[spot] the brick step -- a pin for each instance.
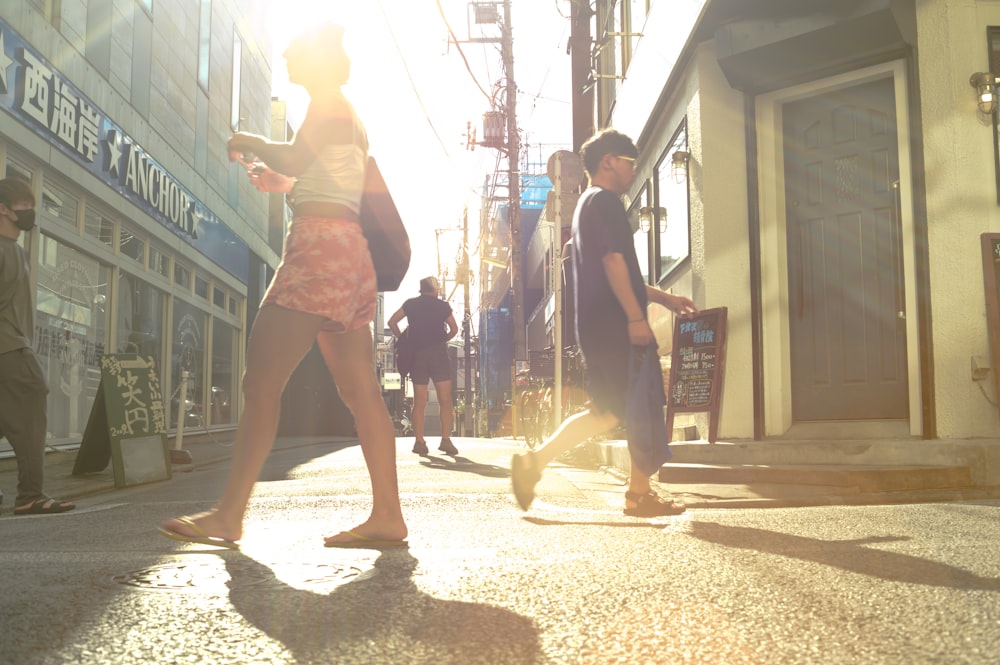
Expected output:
(863, 478)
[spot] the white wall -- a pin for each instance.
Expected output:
(961, 205)
(720, 245)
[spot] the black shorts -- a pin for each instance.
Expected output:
(431, 364)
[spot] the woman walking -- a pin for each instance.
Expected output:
(323, 291)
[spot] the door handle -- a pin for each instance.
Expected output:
(897, 250)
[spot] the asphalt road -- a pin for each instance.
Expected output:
(571, 581)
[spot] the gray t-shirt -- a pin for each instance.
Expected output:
(17, 314)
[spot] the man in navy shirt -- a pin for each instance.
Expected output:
(430, 324)
(611, 299)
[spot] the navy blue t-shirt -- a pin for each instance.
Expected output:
(600, 227)
(425, 318)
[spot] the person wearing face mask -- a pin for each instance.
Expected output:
(23, 390)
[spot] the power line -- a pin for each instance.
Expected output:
(460, 51)
(413, 84)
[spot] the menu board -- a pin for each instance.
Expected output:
(127, 423)
(697, 367)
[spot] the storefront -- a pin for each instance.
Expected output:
(125, 258)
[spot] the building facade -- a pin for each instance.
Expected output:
(821, 169)
(148, 239)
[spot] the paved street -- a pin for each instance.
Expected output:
(572, 581)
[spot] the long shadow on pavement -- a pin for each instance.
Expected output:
(378, 617)
(465, 465)
(545, 522)
(851, 555)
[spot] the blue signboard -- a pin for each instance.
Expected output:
(39, 96)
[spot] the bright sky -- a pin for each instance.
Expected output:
(415, 96)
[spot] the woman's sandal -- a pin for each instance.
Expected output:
(651, 505)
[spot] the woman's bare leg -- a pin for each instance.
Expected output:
(279, 340)
(349, 358)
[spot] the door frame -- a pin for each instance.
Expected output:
(776, 360)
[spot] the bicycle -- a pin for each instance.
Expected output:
(537, 400)
(530, 407)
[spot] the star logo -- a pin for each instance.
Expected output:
(5, 63)
(113, 154)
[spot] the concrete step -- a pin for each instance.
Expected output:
(857, 477)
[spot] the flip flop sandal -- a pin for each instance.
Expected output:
(201, 538)
(363, 542)
(44, 506)
(651, 505)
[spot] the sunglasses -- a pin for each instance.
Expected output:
(630, 160)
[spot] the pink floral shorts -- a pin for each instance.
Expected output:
(326, 269)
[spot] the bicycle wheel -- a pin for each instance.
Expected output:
(529, 418)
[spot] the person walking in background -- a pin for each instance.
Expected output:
(23, 391)
(324, 290)
(611, 328)
(430, 324)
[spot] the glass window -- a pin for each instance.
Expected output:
(58, 205)
(671, 213)
(219, 298)
(188, 356)
(223, 386)
(200, 287)
(140, 318)
(234, 305)
(638, 218)
(71, 332)
(132, 245)
(204, 42)
(182, 276)
(159, 262)
(98, 226)
(234, 119)
(15, 169)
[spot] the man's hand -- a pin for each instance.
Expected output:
(679, 304)
(639, 333)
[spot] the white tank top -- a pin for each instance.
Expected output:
(337, 175)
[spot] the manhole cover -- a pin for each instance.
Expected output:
(219, 576)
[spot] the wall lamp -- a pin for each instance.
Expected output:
(986, 91)
(679, 165)
(646, 214)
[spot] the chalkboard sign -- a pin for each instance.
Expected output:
(127, 423)
(991, 282)
(697, 364)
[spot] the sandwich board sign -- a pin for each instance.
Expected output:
(697, 367)
(127, 423)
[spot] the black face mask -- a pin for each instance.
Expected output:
(25, 219)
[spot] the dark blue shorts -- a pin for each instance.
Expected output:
(431, 364)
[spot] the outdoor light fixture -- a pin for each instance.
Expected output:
(646, 219)
(679, 165)
(986, 92)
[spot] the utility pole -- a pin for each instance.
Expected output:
(513, 187)
(582, 98)
(467, 328)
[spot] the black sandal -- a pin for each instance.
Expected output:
(44, 506)
(651, 505)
